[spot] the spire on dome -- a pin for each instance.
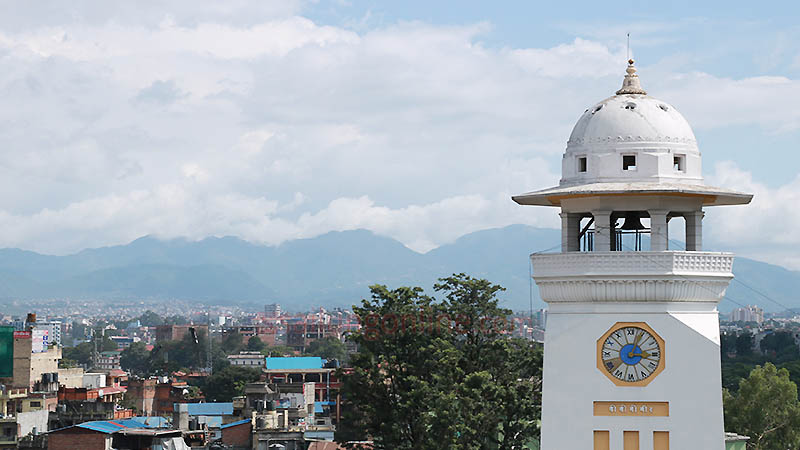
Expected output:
(631, 85)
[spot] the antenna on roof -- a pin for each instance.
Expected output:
(628, 52)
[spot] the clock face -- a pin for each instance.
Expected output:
(631, 354)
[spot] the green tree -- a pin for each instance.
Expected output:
(426, 371)
(136, 359)
(254, 344)
(150, 319)
(229, 382)
(278, 350)
(81, 353)
(327, 348)
(766, 409)
(231, 343)
(744, 344)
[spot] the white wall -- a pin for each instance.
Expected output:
(690, 382)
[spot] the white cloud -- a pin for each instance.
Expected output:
(257, 122)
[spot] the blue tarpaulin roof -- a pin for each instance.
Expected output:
(110, 426)
(233, 424)
(210, 409)
(294, 363)
(317, 407)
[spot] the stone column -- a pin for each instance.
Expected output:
(570, 229)
(694, 231)
(658, 230)
(602, 231)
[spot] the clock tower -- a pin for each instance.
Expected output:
(632, 347)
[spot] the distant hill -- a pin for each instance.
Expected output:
(334, 269)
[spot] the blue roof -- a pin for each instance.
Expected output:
(233, 424)
(210, 409)
(317, 407)
(110, 426)
(294, 363)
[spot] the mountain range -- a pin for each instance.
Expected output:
(335, 269)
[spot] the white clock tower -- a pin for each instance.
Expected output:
(631, 353)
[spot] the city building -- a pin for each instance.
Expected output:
(617, 311)
(29, 365)
(177, 332)
(300, 334)
(268, 334)
(247, 359)
(108, 361)
(272, 310)
(749, 313)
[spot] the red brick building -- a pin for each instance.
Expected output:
(300, 335)
(177, 332)
(238, 434)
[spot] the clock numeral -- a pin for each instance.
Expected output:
(631, 377)
(652, 364)
(644, 375)
(654, 353)
(618, 374)
(606, 354)
(631, 331)
(610, 365)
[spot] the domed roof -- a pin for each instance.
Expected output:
(631, 124)
(632, 143)
(631, 117)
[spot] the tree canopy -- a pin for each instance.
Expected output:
(766, 409)
(327, 348)
(426, 371)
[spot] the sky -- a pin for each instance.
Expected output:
(417, 120)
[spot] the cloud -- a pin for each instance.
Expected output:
(235, 119)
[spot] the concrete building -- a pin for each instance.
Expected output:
(29, 365)
(632, 346)
(272, 310)
(247, 359)
(749, 313)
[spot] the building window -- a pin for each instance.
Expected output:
(679, 163)
(582, 164)
(36, 404)
(628, 162)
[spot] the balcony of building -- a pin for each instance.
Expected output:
(661, 276)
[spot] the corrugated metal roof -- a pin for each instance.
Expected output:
(210, 409)
(233, 424)
(294, 363)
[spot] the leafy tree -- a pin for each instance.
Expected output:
(254, 344)
(81, 353)
(231, 343)
(426, 371)
(327, 348)
(744, 344)
(278, 350)
(766, 409)
(229, 382)
(780, 344)
(150, 319)
(136, 359)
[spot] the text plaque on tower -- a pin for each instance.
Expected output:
(631, 409)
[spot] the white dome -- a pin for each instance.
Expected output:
(631, 127)
(631, 117)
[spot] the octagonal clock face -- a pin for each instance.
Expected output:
(631, 354)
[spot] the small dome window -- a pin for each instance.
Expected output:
(630, 106)
(663, 107)
(582, 164)
(597, 108)
(628, 162)
(679, 163)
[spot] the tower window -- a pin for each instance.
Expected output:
(679, 163)
(628, 162)
(582, 164)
